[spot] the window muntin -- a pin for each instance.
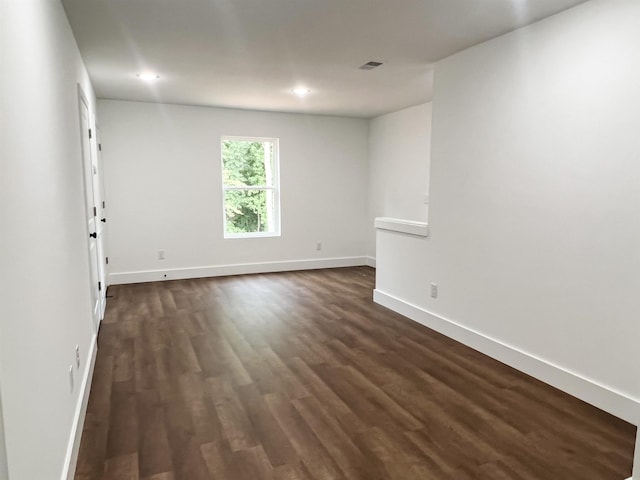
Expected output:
(250, 184)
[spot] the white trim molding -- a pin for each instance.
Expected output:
(420, 229)
(233, 269)
(4, 468)
(603, 397)
(636, 459)
(370, 261)
(71, 458)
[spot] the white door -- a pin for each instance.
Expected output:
(89, 169)
(98, 188)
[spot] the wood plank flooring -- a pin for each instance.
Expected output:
(300, 376)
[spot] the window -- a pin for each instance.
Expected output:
(250, 187)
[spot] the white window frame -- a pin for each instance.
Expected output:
(275, 187)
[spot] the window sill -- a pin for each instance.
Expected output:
(251, 235)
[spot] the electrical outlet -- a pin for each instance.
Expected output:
(319, 246)
(71, 378)
(78, 356)
(161, 254)
(434, 290)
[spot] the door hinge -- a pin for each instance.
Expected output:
(103, 204)
(90, 135)
(99, 147)
(95, 212)
(99, 286)
(106, 260)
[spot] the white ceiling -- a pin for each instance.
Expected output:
(251, 53)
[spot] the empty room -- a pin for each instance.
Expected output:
(312, 240)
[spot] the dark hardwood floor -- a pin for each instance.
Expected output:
(300, 376)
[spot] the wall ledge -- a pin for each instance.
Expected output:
(411, 227)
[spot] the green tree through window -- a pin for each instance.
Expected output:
(250, 184)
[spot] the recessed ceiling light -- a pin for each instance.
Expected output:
(148, 76)
(370, 65)
(301, 91)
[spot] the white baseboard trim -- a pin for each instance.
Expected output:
(234, 269)
(587, 390)
(4, 468)
(371, 261)
(71, 458)
(635, 474)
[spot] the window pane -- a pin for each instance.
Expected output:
(249, 211)
(247, 163)
(250, 184)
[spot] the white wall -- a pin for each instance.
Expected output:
(163, 181)
(399, 151)
(44, 281)
(535, 202)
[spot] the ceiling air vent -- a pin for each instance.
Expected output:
(370, 65)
